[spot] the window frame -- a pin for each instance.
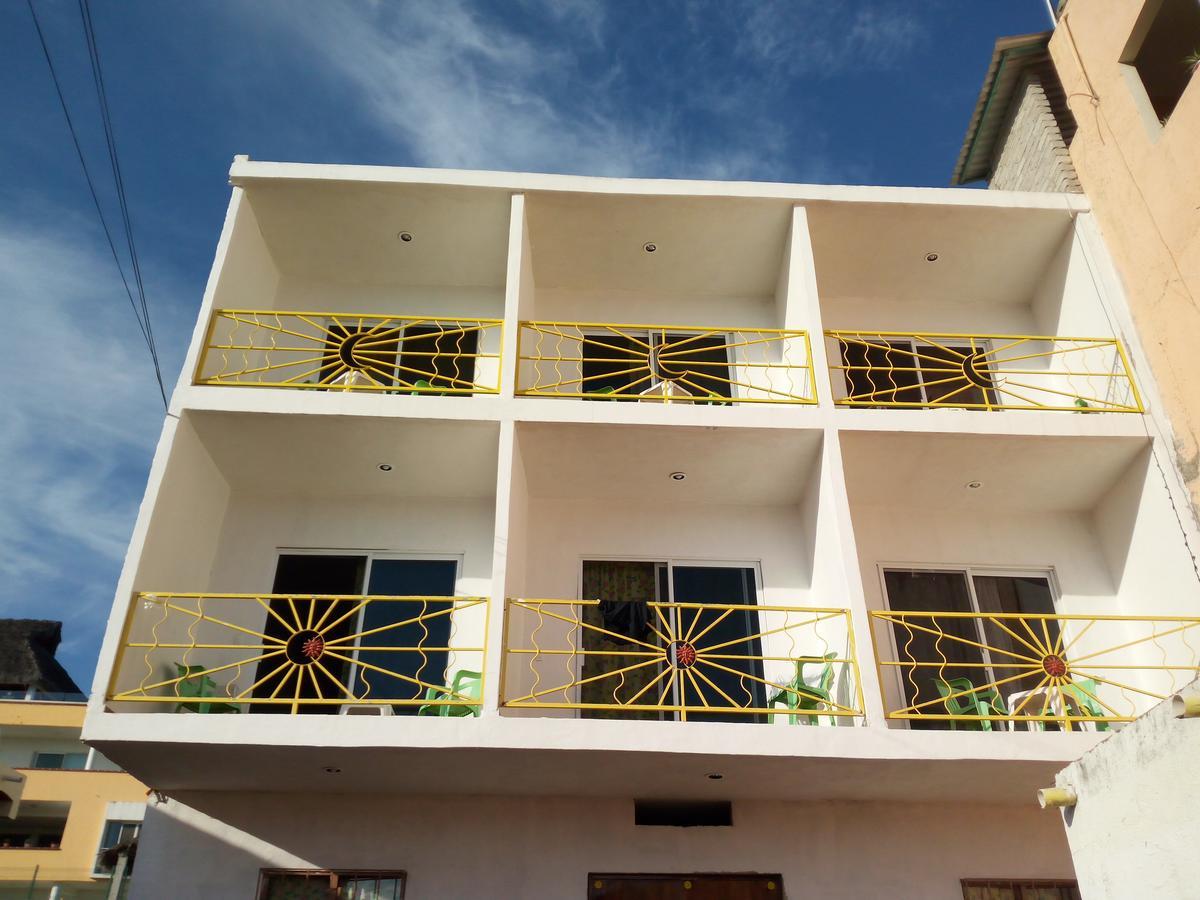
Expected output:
(913, 346)
(62, 767)
(968, 572)
(333, 876)
(654, 339)
(101, 848)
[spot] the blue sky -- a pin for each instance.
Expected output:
(870, 92)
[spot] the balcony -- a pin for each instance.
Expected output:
(683, 661)
(352, 352)
(1001, 670)
(310, 653)
(909, 370)
(665, 363)
(365, 288)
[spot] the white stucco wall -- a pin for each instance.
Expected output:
(543, 848)
(1134, 830)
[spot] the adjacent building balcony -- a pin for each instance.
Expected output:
(665, 363)
(352, 352)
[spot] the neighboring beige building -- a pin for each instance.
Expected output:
(62, 806)
(1120, 95)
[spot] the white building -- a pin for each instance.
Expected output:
(839, 558)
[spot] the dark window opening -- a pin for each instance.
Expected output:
(655, 363)
(1167, 54)
(913, 374)
(971, 648)
(441, 356)
(40, 826)
(683, 813)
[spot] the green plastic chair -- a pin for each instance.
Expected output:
(803, 696)
(465, 684)
(196, 685)
(604, 391)
(1078, 691)
(979, 702)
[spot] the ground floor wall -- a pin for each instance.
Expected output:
(202, 846)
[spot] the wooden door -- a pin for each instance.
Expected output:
(685, 887)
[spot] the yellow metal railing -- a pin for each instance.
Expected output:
(352, 352)
(975, 669)
(664, 363)
(228, 653)
(980, 371)
(693, 661)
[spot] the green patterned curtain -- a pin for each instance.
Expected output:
(622, 582)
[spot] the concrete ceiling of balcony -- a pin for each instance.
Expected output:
(725, 247)
(1033, 473)
(634, 463)
(874, 251)
(349, 232)
(339, 456)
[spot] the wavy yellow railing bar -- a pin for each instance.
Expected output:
(714, 366)
(560, 655)
(333, 351)
(929, 370)
(232, 653)
(971, 670)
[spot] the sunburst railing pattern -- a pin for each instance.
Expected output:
(980, 371)
(352, 352)
(664, 363)
(974, 669)
(766, 663)
(301, 653)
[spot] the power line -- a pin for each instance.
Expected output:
(140, 311)
(85, 14)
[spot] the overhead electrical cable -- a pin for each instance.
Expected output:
(140, 307)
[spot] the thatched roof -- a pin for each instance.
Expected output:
(27, 660)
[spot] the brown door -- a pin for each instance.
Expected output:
(685, 887)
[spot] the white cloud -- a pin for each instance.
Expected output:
(459, 89)
(797, 37)
(81, 413)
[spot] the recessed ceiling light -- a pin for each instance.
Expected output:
(405, 236)
(931, 256)
(649, 246)
(332, 770)
(714, 776)
(974, 485)
(678, 476)
(384, 467)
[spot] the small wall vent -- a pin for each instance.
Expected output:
(683, 813)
